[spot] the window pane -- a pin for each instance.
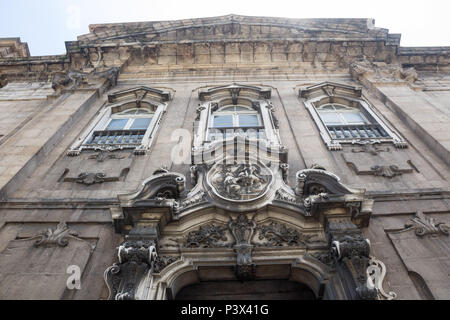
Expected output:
(248, 120)
(339, 107)
(327, 107)
(141, 123)
(223, 121)
(353, 117)
(330, 118)
(117, 124)
(240, 108)
(228, 109)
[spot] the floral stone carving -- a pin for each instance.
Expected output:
(209, 236)
(277, 235)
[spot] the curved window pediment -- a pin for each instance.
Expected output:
(235, 115)
(343, 116)
(126, 124)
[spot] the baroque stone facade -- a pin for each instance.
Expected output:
(163, 156)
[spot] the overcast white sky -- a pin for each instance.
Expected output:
(46, 24)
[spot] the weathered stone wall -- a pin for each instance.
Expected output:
(38, 125)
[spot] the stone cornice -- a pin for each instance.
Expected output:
(231, 40)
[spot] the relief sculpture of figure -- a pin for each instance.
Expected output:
(236, 181)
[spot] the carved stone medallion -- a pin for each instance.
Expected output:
(240, 182)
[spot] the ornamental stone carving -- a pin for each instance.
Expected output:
(84, 79)
(104, 155)
(136, 259)
(382, 72)
(239, 182)
(162, 262)
(59, 236)
(389, 171)
(208, 236)
(376, 272)
(89, 178)
(242, 230)
(351, 252)
(278, 235)
(350, 246)
(423, 225)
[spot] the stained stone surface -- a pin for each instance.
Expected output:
(46, 103)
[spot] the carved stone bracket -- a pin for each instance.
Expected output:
(382, 72)
(136, 259)
(352, 252)
(77, 79)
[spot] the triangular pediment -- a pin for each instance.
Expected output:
(231, 27)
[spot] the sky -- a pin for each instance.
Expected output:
(47, 24)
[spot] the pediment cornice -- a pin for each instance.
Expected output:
(232, 26)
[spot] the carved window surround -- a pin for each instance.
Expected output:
(254, 98)
(141, 97)
(335, 93)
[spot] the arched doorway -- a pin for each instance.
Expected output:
(247, 290)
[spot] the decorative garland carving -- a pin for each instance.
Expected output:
(191, 201)
(369, 147)
(89, 178)
(324, 257)
(209, 236)
(162, 262)
(283, 195)
(105, 155)
(277, 235)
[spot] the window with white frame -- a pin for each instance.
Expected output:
(346, 122)
(235, 119)
(130, 121)
(127, 127)
(343, 116)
